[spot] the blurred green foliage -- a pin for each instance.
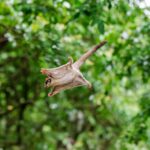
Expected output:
(114, 115)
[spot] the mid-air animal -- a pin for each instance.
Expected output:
(68, 76)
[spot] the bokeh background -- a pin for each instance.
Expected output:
(115, 114)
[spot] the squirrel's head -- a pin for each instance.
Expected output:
(48, 82)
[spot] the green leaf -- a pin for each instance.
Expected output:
(101, 26)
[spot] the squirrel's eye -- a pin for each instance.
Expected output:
(47, 81)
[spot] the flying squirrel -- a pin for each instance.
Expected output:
(68, 75)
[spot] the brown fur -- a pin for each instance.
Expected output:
(68, 76)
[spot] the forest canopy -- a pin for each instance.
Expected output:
(114, 114)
